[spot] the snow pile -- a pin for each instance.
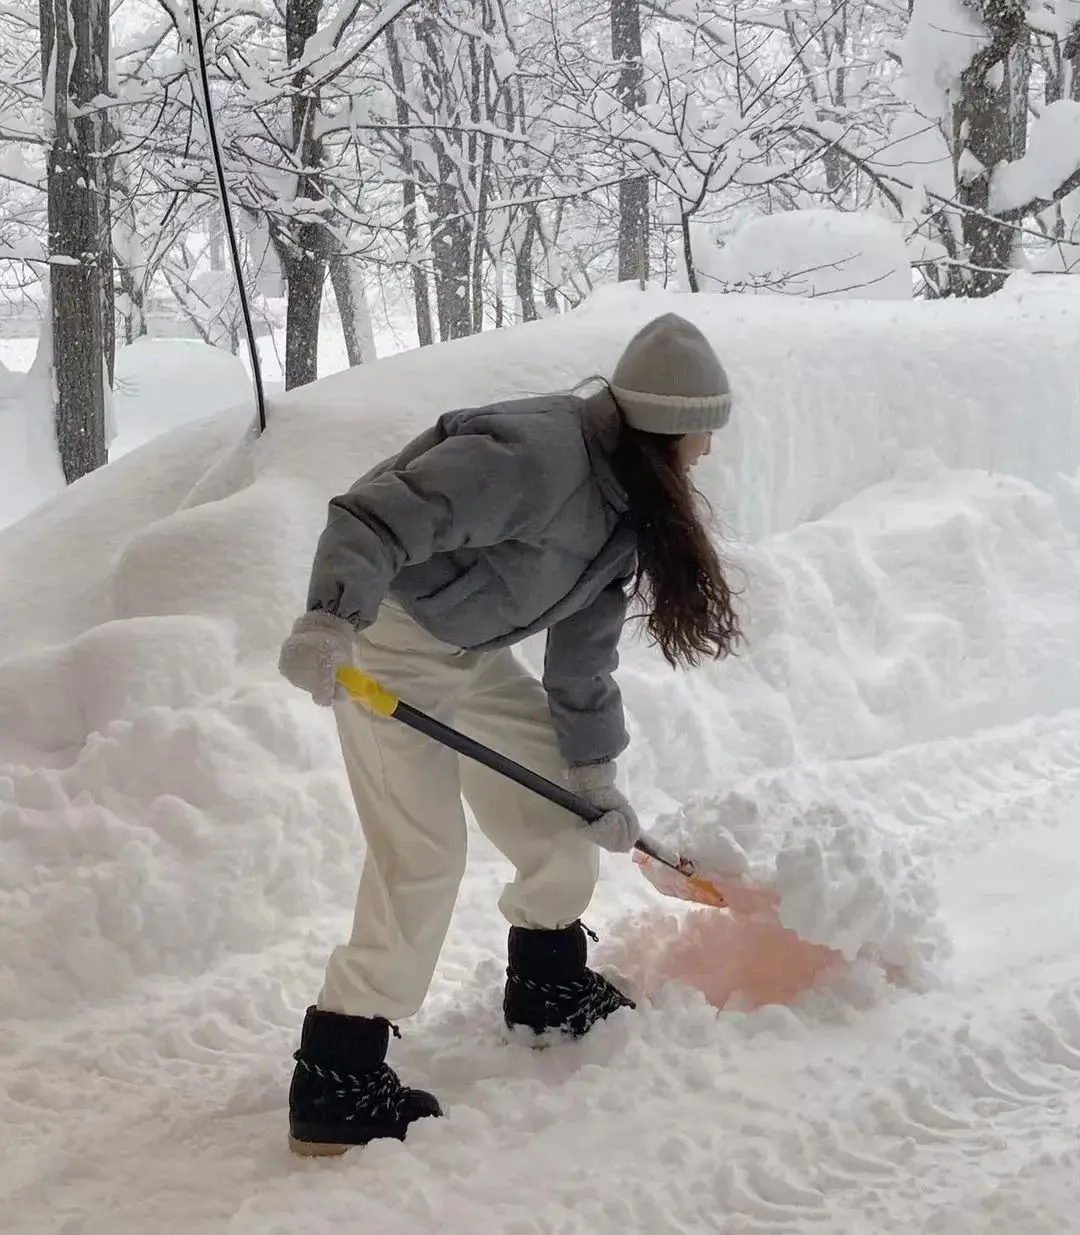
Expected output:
(845, 874)
(161, 384)
(821, 253)
(1027, 284)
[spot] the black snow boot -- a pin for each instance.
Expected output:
(549, 986)
(343, 1092)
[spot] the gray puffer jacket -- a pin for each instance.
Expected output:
(494, 524)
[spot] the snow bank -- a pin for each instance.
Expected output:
(161, 384)
(821, 253)
(831, 396)
(167, 800)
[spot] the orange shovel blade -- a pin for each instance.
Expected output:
(720, 893)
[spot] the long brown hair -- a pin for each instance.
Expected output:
(680, 579)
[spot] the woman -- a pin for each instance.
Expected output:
(543, 514)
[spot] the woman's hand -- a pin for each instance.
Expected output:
(319, 645)
(618, 828)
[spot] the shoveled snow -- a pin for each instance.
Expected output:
(897, 750)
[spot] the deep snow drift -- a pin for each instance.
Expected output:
(897, 749)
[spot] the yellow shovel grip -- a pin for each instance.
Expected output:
(366, 690)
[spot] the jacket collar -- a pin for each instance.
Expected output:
(601, 425)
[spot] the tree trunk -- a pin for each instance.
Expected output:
(838, 52)
(1018, 80)
(452, 260)
(633, 191)
(71, 42)
(1071, 52)
(451, 226)
(353, 311)
(421, 299)
(688, 252)
(107, 137)
(481, 111)
(304, 258)
(129, 261)
(983, 123)
(134, 311)
(523, 269)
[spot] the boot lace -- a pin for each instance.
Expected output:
(372, 1093)
(585, 999)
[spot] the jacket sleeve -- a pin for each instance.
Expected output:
(579, 665)
(469, 489)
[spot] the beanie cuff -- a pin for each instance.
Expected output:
(673, 414)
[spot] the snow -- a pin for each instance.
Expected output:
(942, 38)
(163, 383)
(896, 750)
(819, 252)
(160, 384)
(1051, 159)
(27, 442)
(1057, 17)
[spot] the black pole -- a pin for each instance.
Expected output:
(230, 229)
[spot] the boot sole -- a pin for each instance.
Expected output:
(318, 1149)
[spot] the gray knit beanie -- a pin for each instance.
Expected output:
(669, 380)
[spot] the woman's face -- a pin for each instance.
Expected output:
(693, 448)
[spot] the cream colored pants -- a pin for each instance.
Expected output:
(408, 790)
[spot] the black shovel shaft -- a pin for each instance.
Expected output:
(498, 763)
(548, 789)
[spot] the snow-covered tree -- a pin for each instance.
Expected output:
(983, 171)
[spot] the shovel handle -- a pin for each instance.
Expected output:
(365, 690)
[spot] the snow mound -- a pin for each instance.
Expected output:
(217, 559)
(161, 384)
(821, 253)
(184, 829)
(927, 606)
(846, 876)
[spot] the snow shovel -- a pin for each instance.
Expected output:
(667, 872)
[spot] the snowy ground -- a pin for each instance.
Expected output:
(898, 750)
